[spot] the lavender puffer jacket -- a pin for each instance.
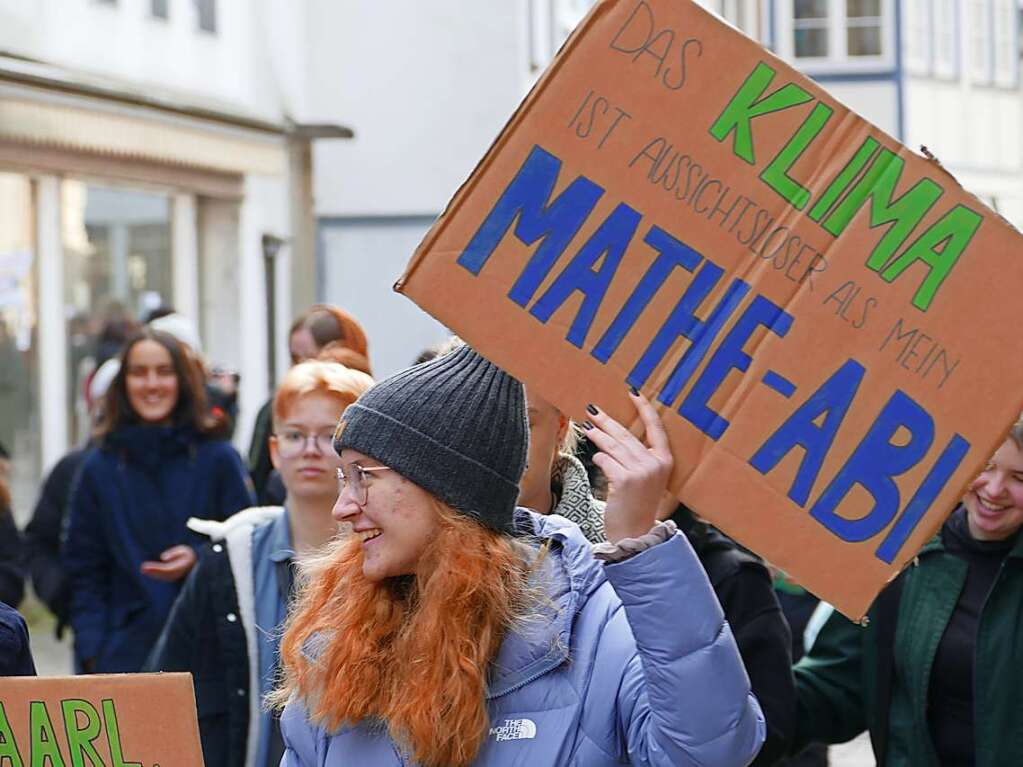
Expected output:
(622, 674)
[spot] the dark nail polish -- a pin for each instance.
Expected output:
(591, 410)
(587, 425)
(633, 391)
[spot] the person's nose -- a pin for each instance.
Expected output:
(995, 486)
(310, 447)
(345, 508)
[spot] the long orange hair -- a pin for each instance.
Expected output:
(412, 652)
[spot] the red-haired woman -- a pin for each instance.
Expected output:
(156, 464)
(247, 573)
(450, 628)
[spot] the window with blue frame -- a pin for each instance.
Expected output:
(836, 32)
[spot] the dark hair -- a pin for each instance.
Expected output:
(329, 325)
(191, 408)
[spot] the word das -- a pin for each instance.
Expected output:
(597, 113)
(846, 298)
(882, 455)
(872, 173)
(752, 226)
(920, 353)
(550, 224)
(640, 36)
(82, 727)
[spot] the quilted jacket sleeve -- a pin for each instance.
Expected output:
(303, 740)
(685, 698)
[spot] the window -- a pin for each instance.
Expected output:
(207, 10)
(843, 32)
(945, 48)
(980, 40)
(918, 35)
(810, 28)
(158, 8)
(863, 27)
(550, 24)
(1005, 47)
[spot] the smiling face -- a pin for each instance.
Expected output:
(151, 382)
(994, 502)
(301, 448)
(397, 522)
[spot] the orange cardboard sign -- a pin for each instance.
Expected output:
(822, 316)
(116, 720)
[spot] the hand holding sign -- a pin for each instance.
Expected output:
(796, 290)
(637, 473)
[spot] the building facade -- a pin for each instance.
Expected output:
(151, 153)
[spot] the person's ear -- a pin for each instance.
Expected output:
(563, 426)
(275, 457)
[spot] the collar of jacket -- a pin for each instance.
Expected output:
(540, 643)
(150, 445)
(935, 544)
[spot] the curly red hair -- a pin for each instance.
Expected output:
(413, 652)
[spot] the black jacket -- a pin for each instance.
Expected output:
(204, 636)
(744, 588)
(12, 576)
(15, 656)
(42, 537)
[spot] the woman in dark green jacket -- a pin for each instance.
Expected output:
(934, 676)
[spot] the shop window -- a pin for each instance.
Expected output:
(117, 262)
(19, 359)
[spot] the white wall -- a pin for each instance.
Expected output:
(876, 101)
(425, 85)
(234, 67)
(364, 258)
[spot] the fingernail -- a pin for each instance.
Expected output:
(587, 425)
(591, 410)
(633, 391)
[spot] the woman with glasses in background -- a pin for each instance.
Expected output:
(225, 626)
(156, 462)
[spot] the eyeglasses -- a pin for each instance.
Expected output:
(355, 476)
(291, 443)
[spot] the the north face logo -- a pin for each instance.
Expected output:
(515, 729)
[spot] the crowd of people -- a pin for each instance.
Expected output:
(441, 568)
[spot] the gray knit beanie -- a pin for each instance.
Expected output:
(456, 426)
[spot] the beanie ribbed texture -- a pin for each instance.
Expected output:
(456, 426)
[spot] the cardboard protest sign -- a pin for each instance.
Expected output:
(823, 317)
(117, 720)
